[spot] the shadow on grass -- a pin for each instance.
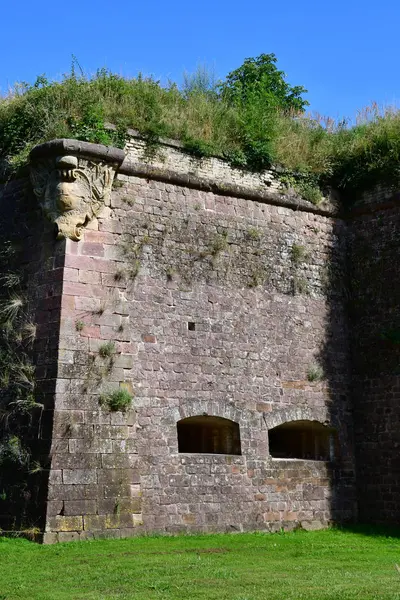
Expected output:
(371, 530)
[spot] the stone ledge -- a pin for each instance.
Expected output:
(147, 171)
(60, 147)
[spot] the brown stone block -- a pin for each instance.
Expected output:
(114, 333)
(110, 225)
(124, 418)
(67, 303)
(108, 318)
(71, 247)
(290, 516)
(263, 407)
(119, 461)
(270, 481)
(125, 347)
(128, 446)
(54, 507)
(72, 462)
(50, 537)
(91, 446)
(122, 490)
(78, 431)
(74, 492)
(111, 432)
(89, 277)
(79, 476)
(86, 535)
(69, 274)
(80, 507)
(271, 516)
(86, 263)
(259, 497)
(313, 525)
(149, 338)
(118, 476)
(91, 331)
(59, 446)
(295, 385)
(108, 506)
(92, 249)
(61, 523)
(107, 534)
(94, 522)
(55, 476)
(127, 385)
(127, 532)
(74, 342)
(85, 304)
(124, 361)
(71, 536)
(116, 521)
(189, 519)
(75, 401)
(99, 417)
(84, 289)
(130, 505)
(99, 237)
(111, 280)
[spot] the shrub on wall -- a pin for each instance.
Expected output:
(116, 400)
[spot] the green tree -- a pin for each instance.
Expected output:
(260, 94)
(258, 78)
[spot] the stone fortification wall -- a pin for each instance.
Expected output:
(375, 314)
(216, 305)
(31, 277)
(168, 162)
(201, 291)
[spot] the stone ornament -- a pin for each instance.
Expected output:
(72, 188)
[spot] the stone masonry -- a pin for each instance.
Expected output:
(215, 293)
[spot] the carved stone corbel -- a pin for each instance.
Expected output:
(72, 181)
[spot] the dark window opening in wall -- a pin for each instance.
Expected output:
(191, 326)
(208, 435)
(302, 439)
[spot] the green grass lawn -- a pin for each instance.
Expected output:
(321, 565)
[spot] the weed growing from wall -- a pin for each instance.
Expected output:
(201, 247)
(117, 400)
(107, 350)
(297, 253)
(188, 250)
(315, 373)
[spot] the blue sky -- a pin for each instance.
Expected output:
(346, 53)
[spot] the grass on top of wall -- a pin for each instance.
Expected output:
(250, 128)
(323, 565)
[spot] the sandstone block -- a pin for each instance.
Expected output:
(79, 507)
(61, 523)
(79, 476)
